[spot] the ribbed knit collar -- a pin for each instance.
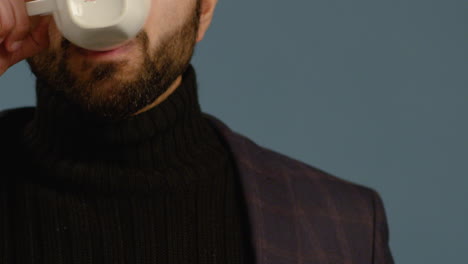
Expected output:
(169, 139)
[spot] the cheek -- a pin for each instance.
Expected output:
(165, 17)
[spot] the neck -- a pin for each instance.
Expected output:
(163, 96)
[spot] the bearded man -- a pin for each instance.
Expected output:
(118, 164)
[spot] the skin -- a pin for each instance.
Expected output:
(122, 85)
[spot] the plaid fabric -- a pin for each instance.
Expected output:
(299, 214)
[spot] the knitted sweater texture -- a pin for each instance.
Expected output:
(160, 187)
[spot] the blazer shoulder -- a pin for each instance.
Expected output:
(279, 173)
(300, 170)
(314, 185)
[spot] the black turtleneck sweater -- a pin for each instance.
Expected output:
(160, 187)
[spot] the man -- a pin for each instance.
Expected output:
(117, 163)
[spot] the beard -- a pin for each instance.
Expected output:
(106, 93)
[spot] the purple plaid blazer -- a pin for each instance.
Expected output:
(299, 214)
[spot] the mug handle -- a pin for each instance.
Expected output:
(40, 7)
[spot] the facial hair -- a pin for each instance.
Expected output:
(124, 98)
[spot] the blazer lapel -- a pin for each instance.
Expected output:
(268, 198)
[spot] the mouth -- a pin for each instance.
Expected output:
(105, 54)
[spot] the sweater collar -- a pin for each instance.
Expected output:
(57, 120)
(170, 135)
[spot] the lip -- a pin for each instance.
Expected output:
(105, 54)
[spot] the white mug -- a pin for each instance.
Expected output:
(97, 25)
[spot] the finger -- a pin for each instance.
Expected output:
(35, 42)
(21, 28)
(7, 20)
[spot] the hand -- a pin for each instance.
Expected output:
(21, 36)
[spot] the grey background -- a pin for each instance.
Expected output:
(372, 91)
